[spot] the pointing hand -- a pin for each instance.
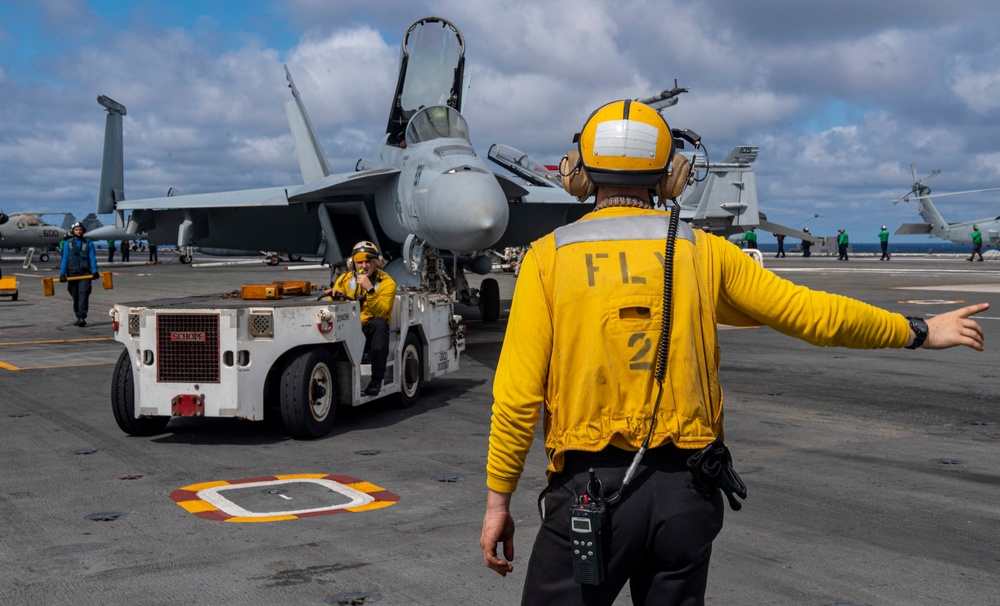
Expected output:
(956, 328)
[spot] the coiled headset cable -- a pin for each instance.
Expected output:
(662, 356)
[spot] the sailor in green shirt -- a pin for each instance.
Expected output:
(977, 243)
(749, 239)
(883, 237)
(842, 242)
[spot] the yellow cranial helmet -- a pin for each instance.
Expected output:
(626, 143)
(364, 251)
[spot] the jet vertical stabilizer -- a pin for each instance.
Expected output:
(312, 160)
(727, 198)
(112, 188)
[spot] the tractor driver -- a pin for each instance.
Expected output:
(375, 291)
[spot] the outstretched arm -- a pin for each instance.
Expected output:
(498, 527)
(955, 328)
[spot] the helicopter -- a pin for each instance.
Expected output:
(959, 232)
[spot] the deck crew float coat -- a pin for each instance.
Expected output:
(377, 304)
(603, 276)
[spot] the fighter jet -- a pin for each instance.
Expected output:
(427, 199)
(936, 226)
(29, 230)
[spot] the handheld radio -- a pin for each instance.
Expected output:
(585, 522)
(586, 519)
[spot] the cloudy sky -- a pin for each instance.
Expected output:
(841, 96)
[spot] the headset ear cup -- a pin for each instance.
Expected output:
(350, 264)
(575, 179)
(672, 185)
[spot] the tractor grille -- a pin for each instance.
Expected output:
(261, 325)
(188, 348)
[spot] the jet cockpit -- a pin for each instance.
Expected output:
(438, 122)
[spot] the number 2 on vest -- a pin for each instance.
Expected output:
(643, 346)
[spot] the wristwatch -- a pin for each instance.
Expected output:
(919, 328)
(371, 291)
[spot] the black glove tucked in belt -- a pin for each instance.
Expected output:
(712, 468)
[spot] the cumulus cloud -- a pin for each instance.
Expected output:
(841, 100)
(979, 90)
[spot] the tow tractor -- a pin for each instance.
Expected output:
(219, 356)
(8, 287)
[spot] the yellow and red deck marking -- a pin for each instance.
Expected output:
(205, 500)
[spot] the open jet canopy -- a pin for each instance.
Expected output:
(431, 68)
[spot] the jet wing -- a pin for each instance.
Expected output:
(355, 184)
(510, 189)
(272, 196)
(776, 228)
(914, 228)
(339, 185)
(528, 222)
(538, 211)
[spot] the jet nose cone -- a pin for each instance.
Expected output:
(466, 211)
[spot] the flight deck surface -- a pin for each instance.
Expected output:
(873, 475)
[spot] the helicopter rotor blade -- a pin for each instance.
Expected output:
(957, 193)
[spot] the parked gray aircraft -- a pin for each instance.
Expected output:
(935, 224)
(29, 230)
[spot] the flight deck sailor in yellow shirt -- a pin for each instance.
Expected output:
(375, 290)
(633, 430)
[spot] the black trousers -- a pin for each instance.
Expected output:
(80, 291)
(658, 537)
(377, 338)
(885, 250)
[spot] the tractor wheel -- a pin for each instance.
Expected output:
(308, 394)
(411, 375)
(123, 403)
